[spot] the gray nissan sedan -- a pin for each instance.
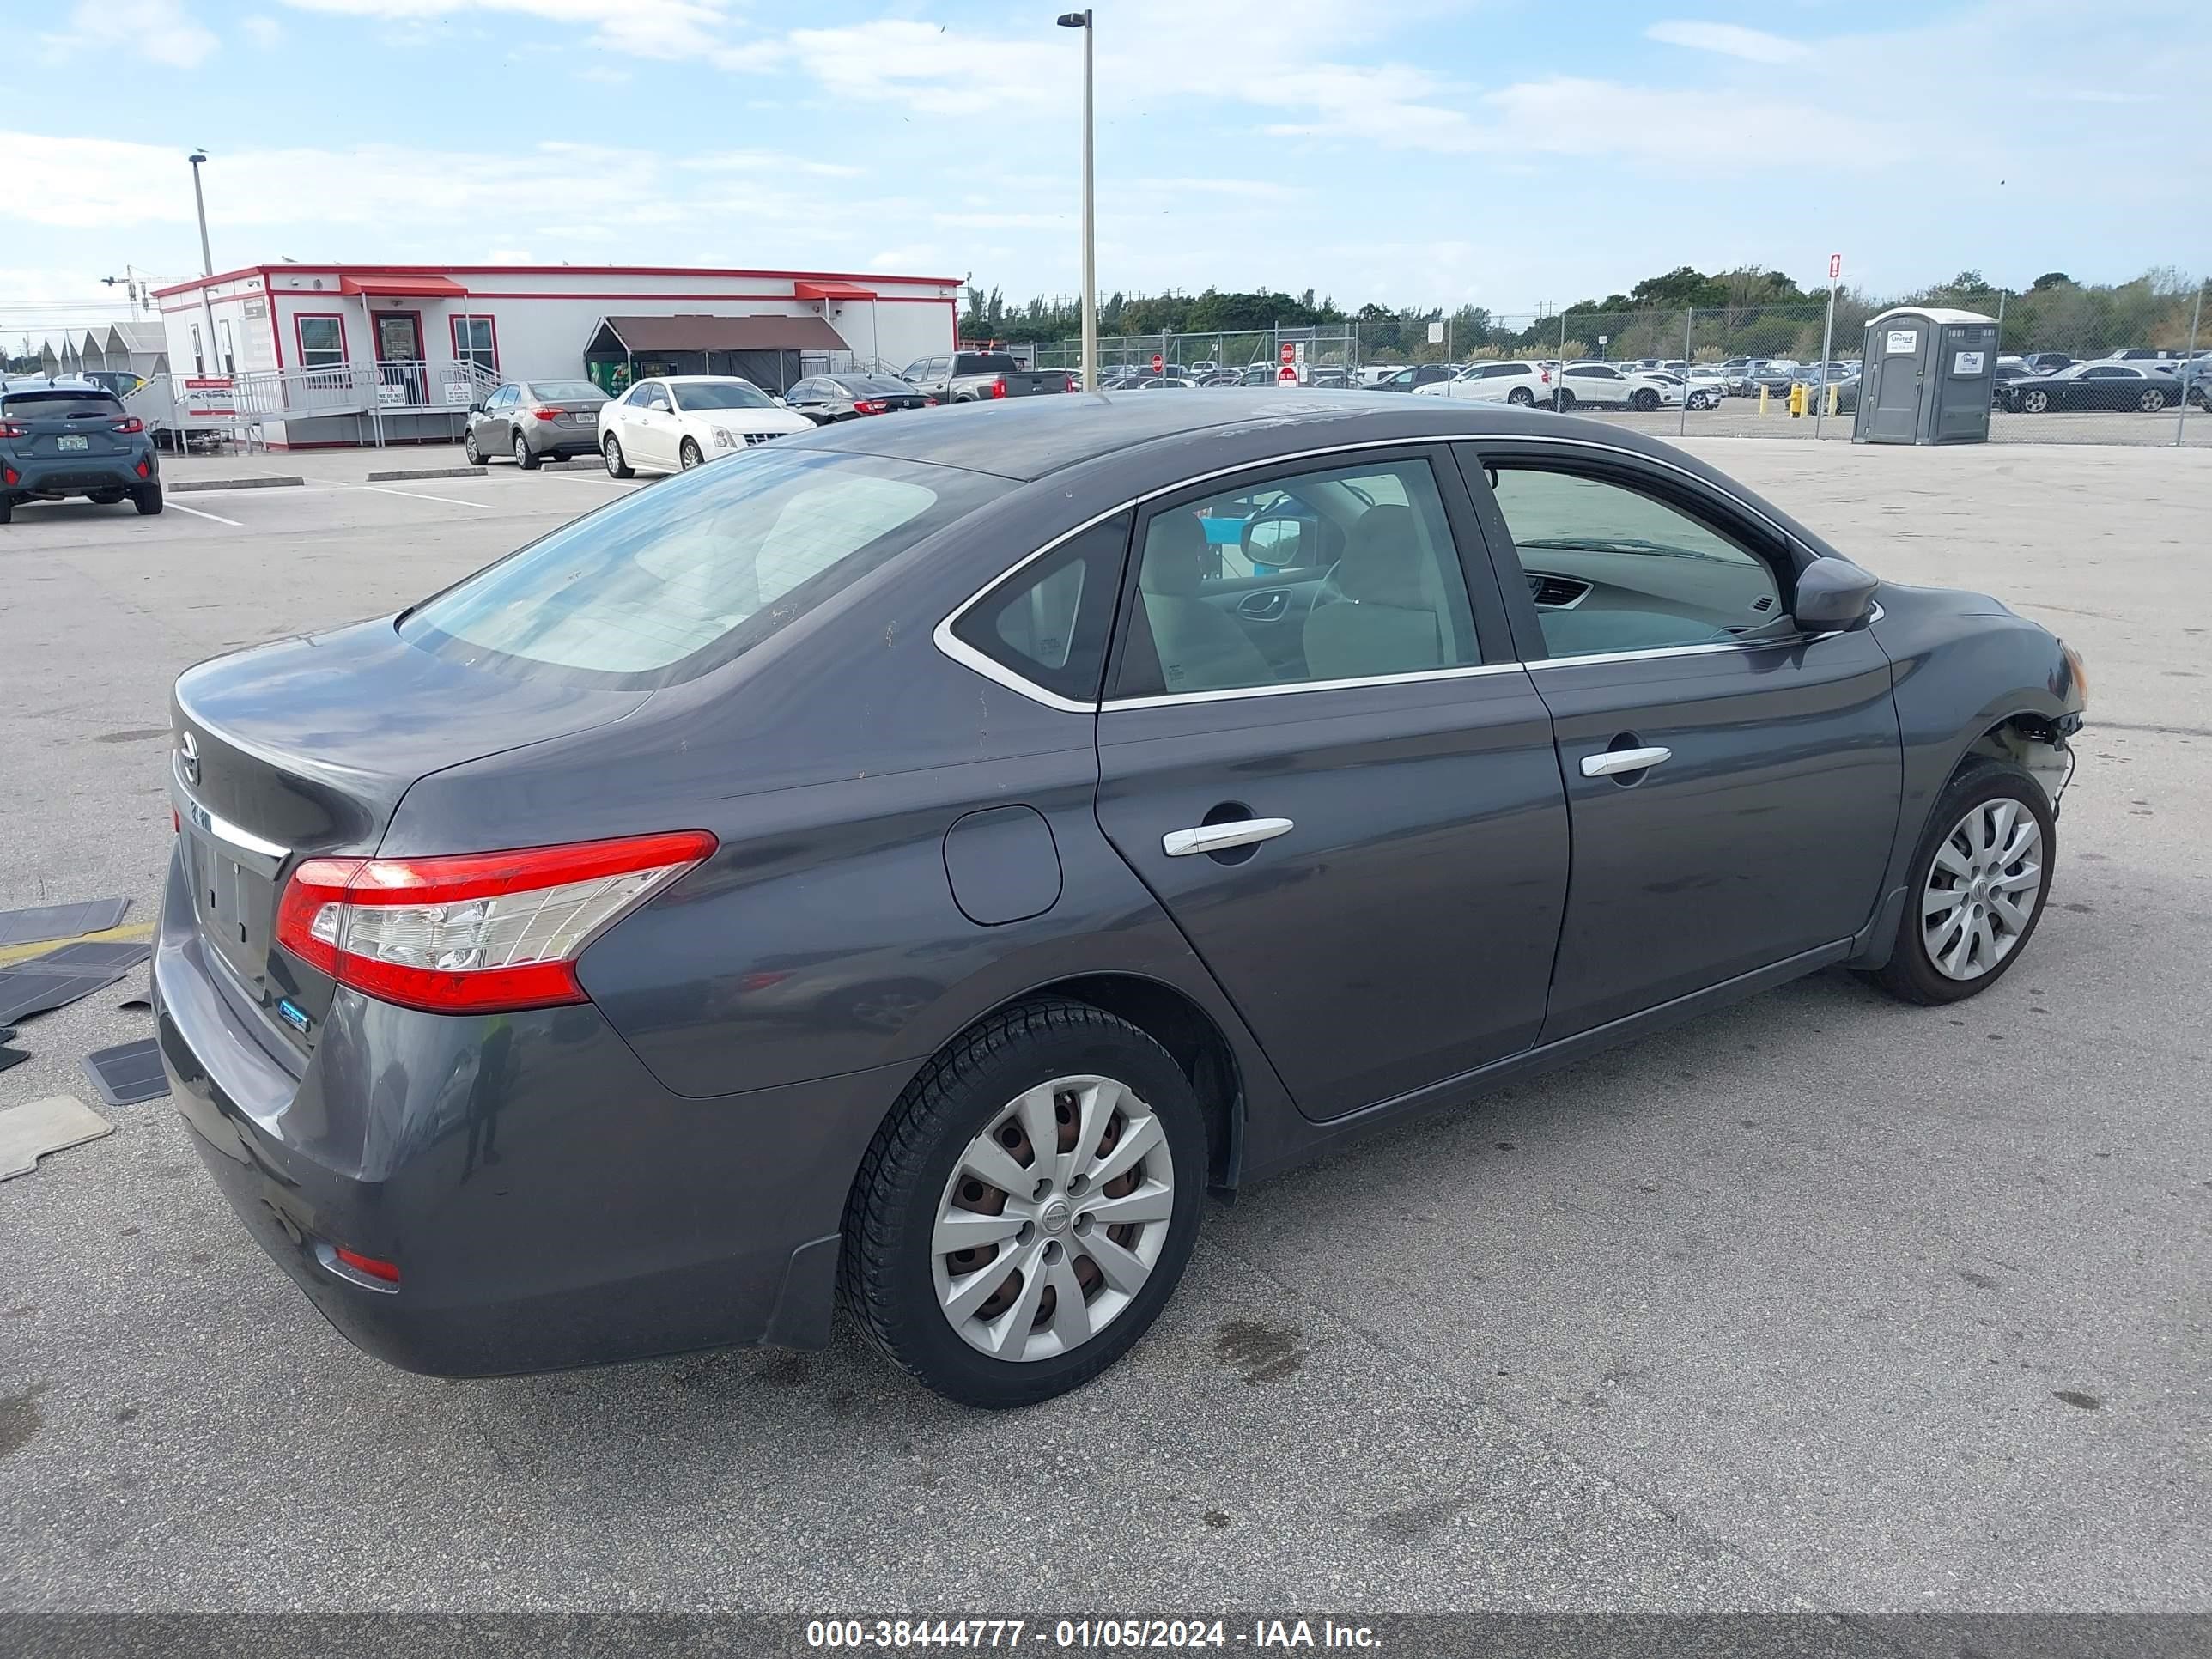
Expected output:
(912, 863)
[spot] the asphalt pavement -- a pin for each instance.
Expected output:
(1820, 1303)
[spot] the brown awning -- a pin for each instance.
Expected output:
(700, 333)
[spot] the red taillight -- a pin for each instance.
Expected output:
(479, 933)
(130, 424)
(10, 476)
(1074, 385)
(929, 402)
(870, 406)
(10, 429)
(145, 468)
(998, 388)
(547, 414)
(386, 1271)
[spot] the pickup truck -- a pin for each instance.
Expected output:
(969, 377)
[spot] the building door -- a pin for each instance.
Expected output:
(400, 356)
(1895, 356)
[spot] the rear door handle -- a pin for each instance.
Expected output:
(1616, 761)
(1219, 837)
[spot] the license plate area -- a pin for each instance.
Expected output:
(72, 442)
(234, 906)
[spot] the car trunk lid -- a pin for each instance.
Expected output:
(66, 425)
(303, 749)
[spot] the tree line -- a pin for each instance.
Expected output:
(1682, 313)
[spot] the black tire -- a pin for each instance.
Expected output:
(1521, 395)
(888, 1280)
(469, 453)
(2152, 400)
(147, 498)
(7, 509)
(1644, 400)
(106, 497)
(1563, 400)
(689, 455)
(1909, 974)
(610, 452)
(525, 456)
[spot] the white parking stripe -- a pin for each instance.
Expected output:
(179, 506)
(595, 478)
(450, 501)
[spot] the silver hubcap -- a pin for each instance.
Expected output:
(1982, 889)
(690, 456)
(1053, 1219)
(2037, 402)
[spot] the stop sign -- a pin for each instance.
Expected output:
(1158, 363)
(1289, 352)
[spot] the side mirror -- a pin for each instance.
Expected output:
(475, 409)
(1833, 595)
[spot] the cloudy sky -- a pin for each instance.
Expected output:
(1502, 152)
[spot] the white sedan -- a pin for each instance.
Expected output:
(1524, 384)
(677, 421)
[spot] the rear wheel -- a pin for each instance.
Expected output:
(2152, 400)
(1521, 395)
(147, 498)
(2035, 400)
(7, 509)
(525, 456)
(688, 456)
(1645, 399)
(1976, 891)
(1028, 1207)
(1563, 400)
(611, 452)
(106, 497)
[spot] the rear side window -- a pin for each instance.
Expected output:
(1050, 621)
(985, 362)
(51, 406)
(671, 582)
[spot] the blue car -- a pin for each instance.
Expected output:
(64, 438)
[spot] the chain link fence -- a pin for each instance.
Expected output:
(2128, 365)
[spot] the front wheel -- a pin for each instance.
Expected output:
(688, 456)
(147, 498)
(611, 452)
(1028, 1207)
(1977, 883)
(2034, 402)
(1563, 400)
(469, 453)
(525, 456)
(2152, 400)
(1521, 395)
(1644, 400)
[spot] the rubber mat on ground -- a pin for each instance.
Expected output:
(60, 977)
(61, 921)
(28, 1132)
(128, 1072)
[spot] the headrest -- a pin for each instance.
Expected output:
(1175, 556)
(1384, 564)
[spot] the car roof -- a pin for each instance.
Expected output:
(703, 379)
(1027, 438)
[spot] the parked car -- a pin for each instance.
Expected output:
(534, 421)
(827, 398)
(676, 421)
(1702, 396)
(1223, 377)
(1522, 383)
(2146, 387)
(1202, 368)
(2047, 362)
(836, 874)
(1709, 377)
(1603, 386)
(120, 381)
(969, 377)
(61, 438)
(1165, 383)
(1413, 377)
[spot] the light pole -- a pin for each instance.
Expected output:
(1081, 20)
(212, 353)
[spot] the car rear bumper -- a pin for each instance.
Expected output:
(546, 1202)
(65, 475)
(575, 440)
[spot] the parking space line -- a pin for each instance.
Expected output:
(420, 495)
(179, 506)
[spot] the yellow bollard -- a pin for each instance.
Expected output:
(1797, 400)
(1835, 396)
(1762, 400)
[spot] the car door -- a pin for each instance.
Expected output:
(1654, 610)
(1365, 842)
(1594, 384)
(651, 425)
(493, 429)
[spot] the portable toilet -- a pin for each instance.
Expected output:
(1927, 376)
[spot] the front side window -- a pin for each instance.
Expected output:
(1048, 622)
(322, 341)
(1349, 573)
(669, 582)
(1612, 568)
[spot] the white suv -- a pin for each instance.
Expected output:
(1495, 383)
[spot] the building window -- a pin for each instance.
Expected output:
(475, 341)
(322, 341)
(199, 356)
(229, 356)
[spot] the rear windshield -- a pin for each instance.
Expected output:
(721, 394)
(985, 362)
(567, 391)
(61, 406)
(873, 386)
(673, 580)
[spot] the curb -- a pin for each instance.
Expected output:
(185, 484)
(425, 473)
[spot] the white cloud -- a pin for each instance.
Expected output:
(161, 31)
(932, 69)
(639, 29)
(265, 33)
(1729, 39)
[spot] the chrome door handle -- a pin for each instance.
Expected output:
(1614, 761)
(1264, 607)
(1219, 837)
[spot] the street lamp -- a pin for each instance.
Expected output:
(211, 355)
(1081, 20)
